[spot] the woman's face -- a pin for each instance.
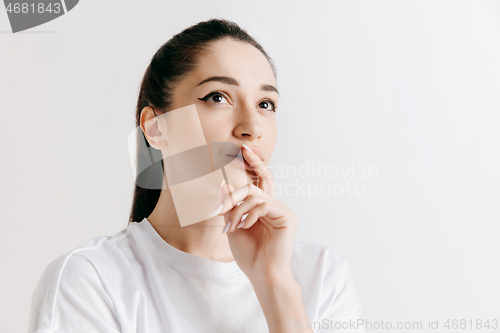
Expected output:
(234, 90)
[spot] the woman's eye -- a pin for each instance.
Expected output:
(218, 98)
(267, 105)
(215, 97)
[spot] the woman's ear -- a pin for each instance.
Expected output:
(152, 129)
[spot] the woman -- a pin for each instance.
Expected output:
(156, 276)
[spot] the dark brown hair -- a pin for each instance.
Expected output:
(170, 64)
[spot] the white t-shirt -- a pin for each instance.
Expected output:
(134, 281)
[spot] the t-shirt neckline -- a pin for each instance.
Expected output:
(189, 261)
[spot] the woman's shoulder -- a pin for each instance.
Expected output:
(98, 248)
(86, 272)
(326, 280)
(309, 254)
(88, 259)
(319, 263)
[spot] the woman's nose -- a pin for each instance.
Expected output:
(248, 122)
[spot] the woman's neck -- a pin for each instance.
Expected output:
(203, 239)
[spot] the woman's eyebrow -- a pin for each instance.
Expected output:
(223, 79)
(233, 82)
(268, 87)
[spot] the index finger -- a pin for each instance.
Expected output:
(231, 199)
(262, 172)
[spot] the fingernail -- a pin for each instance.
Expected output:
(217, 210)
(226, 227)
(242, 223)
(223, 182)
(248, 148)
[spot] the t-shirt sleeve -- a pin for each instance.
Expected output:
(70, 297)
(341, 306)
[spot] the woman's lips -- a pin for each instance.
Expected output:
(243, 163)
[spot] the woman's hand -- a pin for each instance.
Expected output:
(262, 244)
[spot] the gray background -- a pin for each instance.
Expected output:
(409, 87)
